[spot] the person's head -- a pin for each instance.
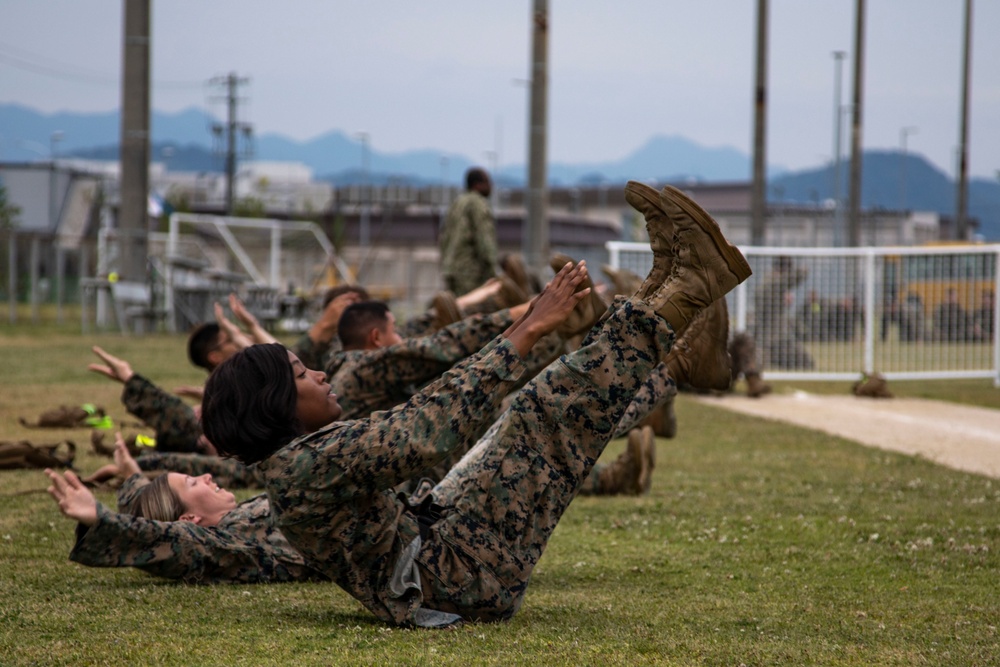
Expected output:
(477, 179)
(951, 295)
(262, 398)
(177, 497)
(209, 346)
(368, 325)
(334, 292)
(782, 263)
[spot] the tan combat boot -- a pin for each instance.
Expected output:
(587, 312)
(446, 310)
(624, 282)
(756, 387)
(625, 475)
(705, 265)
(513, 266)
(873, 386)
(646, 200)
(510, 294)
(662, 419)
(700, 357)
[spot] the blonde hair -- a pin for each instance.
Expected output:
(156, 501)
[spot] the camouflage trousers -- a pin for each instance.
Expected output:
(501, 502)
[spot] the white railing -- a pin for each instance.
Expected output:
(910, 313)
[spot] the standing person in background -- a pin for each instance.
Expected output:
(774, 331)
(469, 236)
(983, 319)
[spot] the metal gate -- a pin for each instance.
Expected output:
(909, 313)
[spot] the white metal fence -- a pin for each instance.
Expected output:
(909, 313)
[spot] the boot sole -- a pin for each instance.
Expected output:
(642, 193)
(734, 259)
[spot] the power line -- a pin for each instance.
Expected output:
(58, 70)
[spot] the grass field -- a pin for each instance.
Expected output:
(760, 544)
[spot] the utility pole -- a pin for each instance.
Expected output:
(838, 204)
(854, 228)
(134, 141)
(535, 239)
(230, 132)
(759, 197)
(961, 223)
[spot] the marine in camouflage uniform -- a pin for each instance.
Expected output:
(468, 243)
(471, 550)
(319, 355)
(472, 553)
(244, 547)
(177, 428)
(369, 380)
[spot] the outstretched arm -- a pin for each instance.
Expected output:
(258, 333)
(113, 368)
(240, 339)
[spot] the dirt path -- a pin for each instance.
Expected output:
(958, 436)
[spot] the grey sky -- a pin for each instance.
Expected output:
(443, 74)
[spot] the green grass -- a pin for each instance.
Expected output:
(760, 544)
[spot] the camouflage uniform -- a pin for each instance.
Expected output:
(468, 244)
(244, 547)
(177, 428)
(228, 473)
(320, 355)
(773, 330)
(470, 552)
(315, 355)
(370, 380)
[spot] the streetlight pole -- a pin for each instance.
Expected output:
(443, 204)
(903, 134)
(54, 140)
(758, 198)
(365, 189)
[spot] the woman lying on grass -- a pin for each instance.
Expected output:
(178, 526)
(468, 552)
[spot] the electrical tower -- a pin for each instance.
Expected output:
(226, 137)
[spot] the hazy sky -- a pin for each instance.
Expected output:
(450, 74)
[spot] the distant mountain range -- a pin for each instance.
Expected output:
(890, 179)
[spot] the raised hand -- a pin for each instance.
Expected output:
(325, 328)
(113, 367)
(127, 465)
(240, 339)
(74, 499)
(550, 308)
(240, 312)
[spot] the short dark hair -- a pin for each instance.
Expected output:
(334, 292)
(474, 176)
(358, 320)
(203, 339)
(248, 411)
